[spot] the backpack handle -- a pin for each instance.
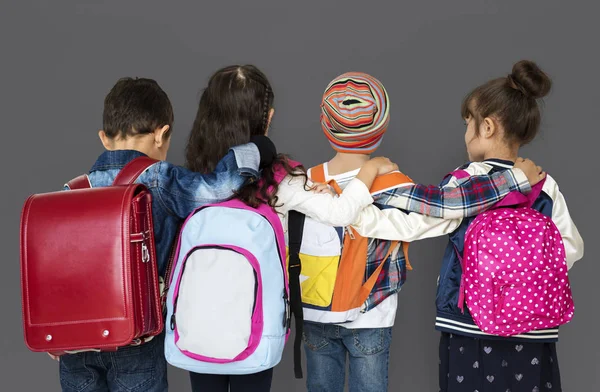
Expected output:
(517, 199)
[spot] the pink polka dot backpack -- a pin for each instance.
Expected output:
(514, 265)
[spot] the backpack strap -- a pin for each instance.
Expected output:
(166, 280)
(317, 174)
(295, 232)
(390, 181)
(366, 289)
(133, 170)
(81, 182)
(126, 176)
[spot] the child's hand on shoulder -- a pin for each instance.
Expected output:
(383, 165)
(319, 187)
(375, 167)
(533, 172)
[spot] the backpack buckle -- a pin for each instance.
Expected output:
(145, 253)
(350, 234)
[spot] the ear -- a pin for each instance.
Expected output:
(271, 113)
(489, 128)
(160, 135)
(107, 142)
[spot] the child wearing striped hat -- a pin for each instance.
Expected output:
(355, 115)
(351, 276)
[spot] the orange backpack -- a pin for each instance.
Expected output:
(335, 278)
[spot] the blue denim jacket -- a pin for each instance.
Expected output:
(177, 191)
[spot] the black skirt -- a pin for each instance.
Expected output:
(481, 365)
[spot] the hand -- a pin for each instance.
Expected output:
(54, 357)
(322, 188)
(533, 172)
(383, 165)
(373, 168)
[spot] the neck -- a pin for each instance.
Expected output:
(344, 162)
(505, 152)
(130, 144)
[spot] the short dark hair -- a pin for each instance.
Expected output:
(136, 106)
(513, 100)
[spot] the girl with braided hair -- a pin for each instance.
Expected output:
(236, 105)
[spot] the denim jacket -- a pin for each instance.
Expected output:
(177, 191)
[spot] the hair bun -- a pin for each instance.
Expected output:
(528, 78)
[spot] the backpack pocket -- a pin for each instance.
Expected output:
(320, 255)
(532, 301)
(214, 322)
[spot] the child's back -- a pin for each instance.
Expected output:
(501, 115)
(550, 202)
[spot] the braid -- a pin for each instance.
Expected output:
(266, 108)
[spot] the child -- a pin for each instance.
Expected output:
(355, 116)
(137, 121)
(237, 105)
(501, 116)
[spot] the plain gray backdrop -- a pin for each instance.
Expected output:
(59, 58)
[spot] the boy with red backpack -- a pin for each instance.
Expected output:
(137, 122)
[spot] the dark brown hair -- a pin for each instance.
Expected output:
(234, 107)
(512, 100)
(136, 107)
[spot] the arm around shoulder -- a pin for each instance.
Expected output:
(460, 197)
(323, 207)
(181, 190)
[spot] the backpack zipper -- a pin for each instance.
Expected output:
(500, 302)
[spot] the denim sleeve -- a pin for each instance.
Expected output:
(181, 191)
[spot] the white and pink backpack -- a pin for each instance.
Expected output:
(514, 265)
(231, 292)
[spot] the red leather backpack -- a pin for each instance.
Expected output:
(89, 276)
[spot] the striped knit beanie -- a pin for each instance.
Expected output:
(355, 113)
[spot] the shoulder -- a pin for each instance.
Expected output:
(476, 168)
(295, 181)
(464, 171)
(389, 181)
(550, 187)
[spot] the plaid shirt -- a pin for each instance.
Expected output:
(469, 197)
(391, 277)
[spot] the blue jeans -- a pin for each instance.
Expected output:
(326, 348)
(130, 369)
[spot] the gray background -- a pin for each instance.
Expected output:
(59, 58)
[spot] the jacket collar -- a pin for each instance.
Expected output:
(115, 159)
